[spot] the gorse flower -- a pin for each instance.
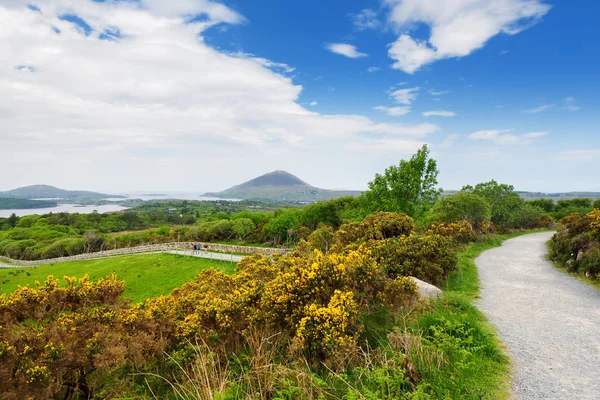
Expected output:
(85, 332)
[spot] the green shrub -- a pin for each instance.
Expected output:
(21, 249)
(384, 225)
(526, 217)
(64, 247)
(462, 206)
(429, 258)
(321, 239)
(590, 263)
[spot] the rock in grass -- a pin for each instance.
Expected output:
(426, 290)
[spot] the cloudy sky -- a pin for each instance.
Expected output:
(199, 95)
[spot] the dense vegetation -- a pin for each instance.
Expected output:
(23, 204)
(563, 208)
(409, 188)
(339, 317)
(336, 318)
(576, 245)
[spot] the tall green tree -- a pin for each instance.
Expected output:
(409, 188)
(545, 204)
(597, 204)
(12, 220)
(502, 198)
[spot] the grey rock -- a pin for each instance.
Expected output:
(426, 290)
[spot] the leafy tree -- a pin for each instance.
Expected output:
(597, 204)
(12, 220)
(243, 227)
(502, 198)
(463, 206)
(526, 216)
(579, 203)
(408, 188)
(283, 226)
(572, 206)
(328, 212)
(93, 241)
(545, 204)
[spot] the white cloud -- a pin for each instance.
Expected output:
(393, 111)
(410, 55)
(570, 104)
(313, 103)
(539, 109)
(373, 69)
(404, 96)
(439, 114)
(366, 19)
(439, 92)
(396, 146)
(504, 137)
(345, 49)
(278, 67)
(535, 135)
(589, 154)
(457, 27)
(449, 141)
(96, 108)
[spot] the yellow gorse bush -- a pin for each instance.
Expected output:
(54, 339)
(594, 218)
(460, 232)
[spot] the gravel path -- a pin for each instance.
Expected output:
(549, 321)
(208, 254)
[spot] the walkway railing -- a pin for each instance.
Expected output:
(154, 248)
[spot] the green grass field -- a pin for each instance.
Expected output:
(148, 275)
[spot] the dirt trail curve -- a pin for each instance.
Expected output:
(549, 321)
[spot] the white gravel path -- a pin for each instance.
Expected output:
(549, 321)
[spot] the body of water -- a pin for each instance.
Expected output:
(195, 196)
(68, 208)
(88, 209)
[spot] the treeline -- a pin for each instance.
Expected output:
(562, 208)
(409, 188)
(23, 204)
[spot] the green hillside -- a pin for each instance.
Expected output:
(51, 192)
(8, 204)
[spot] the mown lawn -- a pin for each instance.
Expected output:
(148, 275)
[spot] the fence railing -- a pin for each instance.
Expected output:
(153, 248)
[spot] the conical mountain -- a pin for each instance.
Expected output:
(280, 186)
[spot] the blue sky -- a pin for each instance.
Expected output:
(229, 90)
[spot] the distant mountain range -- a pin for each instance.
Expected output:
(542, 195)
(51, 192)
(281, 186)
